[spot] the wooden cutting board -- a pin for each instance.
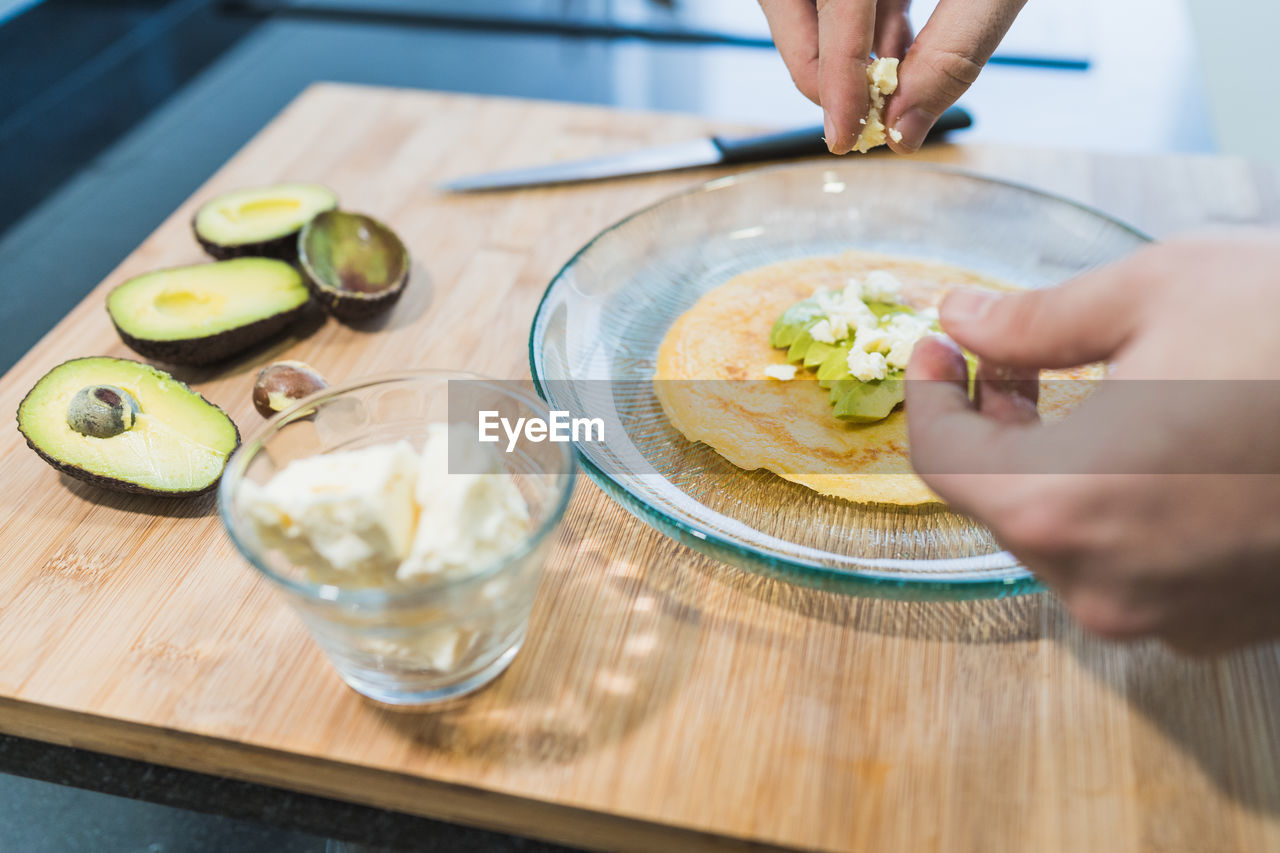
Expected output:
(662, 698)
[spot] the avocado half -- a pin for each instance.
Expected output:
(170, 442)
(205, 313)
(356, 266)
(260, 221)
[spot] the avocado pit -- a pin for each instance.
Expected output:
(284, 383)
(102, 411)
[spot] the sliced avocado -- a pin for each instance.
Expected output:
(836, 365)
(853, 400)
(127, 426)
(261, 221)
(793, 322)
(205, 313)
(800, 346)
(356, 266)
(818, 353)
(864, 402)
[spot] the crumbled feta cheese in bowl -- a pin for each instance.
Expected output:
(411, 551)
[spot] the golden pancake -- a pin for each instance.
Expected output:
(788, 427)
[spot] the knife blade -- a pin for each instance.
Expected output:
(710, 151)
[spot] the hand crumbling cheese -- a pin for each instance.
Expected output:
(882, 81)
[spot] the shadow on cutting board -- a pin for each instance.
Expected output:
(188, 507)
(1214, 710)
(628, 654)
(255, 358)
(1006, 620)
(408, 308)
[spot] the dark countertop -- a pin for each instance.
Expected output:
(122, 109)
(69, 799)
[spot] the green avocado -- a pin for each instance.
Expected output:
(797, 318)
(865, 402)
(261, 221)
(209, 312)
(852, 400)
(127, 426)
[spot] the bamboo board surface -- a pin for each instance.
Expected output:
(662, 698)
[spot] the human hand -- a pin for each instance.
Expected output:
(1153, 509)
(827, 45)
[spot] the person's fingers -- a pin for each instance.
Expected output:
(1007, 394)
(794, 25)
(963, 455)
(944, 62)
(893, 28)
(1087, 319)
(846, 29)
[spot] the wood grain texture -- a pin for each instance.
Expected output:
(663, 699)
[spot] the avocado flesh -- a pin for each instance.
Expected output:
(260, 221)
(866, 402)
(852, 400)
(177, 445)
(205, 313)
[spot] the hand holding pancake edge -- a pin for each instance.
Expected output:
(1152, 508)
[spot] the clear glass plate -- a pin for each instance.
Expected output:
(604, 315)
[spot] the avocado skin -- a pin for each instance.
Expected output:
(281, 248)
(113, 484)
(353, 307)
(196, 352)
(346, 305)
(108, 482)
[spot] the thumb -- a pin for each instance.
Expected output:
(944, 62)
(1086, 319)
(964, 455)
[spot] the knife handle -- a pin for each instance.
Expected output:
(807, 141)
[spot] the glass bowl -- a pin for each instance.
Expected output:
(409, 644)
(595, 336)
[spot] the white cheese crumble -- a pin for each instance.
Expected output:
(882, 80)
(867, 366)
(882, 286)
(342, 514)
(385, 514)
(466, 520)
(880, 344)
(821, 331)
(842, 311)
(781, 372)
(888, 347)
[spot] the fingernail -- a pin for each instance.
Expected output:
(967, 305)
(938, 358)
(914, 125)
(828, 131)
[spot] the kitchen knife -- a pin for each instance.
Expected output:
(711, 151)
